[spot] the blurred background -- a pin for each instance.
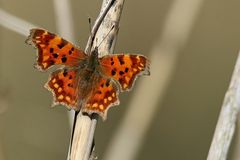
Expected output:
(171, 115)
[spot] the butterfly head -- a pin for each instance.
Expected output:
(95, 52)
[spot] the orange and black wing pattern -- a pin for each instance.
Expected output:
(103, 96)
(124, 68)
(63, 83)
(53, 50)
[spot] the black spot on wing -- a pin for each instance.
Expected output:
(107, 82)
(55, 55)
(120, 59)
(121, 73)
(62, 44)
(51, 50)
(126, 69)
(64, 59)
(65, 73)
(113, 72)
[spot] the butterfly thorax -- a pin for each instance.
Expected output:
(93, 62)
(89, 74)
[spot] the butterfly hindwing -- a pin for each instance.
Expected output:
(53, 49)
(124, 68)
(103, 96)
(64, 85)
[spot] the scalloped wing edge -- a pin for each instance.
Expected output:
(103, 115)
(55, 102)
(145, 72)
(29, 41)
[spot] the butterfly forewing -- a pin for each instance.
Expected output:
(124, 68)
(53, 50)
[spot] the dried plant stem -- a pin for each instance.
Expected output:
(64, 19)
(85, 125)
(14, 23)
(227, 119)
(97, 24)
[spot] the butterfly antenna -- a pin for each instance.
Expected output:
(90, 25)
(106, 36)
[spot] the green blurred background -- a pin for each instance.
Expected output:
(183, 124)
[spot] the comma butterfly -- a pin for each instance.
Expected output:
(85, 82)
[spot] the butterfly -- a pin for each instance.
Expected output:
(85, 82)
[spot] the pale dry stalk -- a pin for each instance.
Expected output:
(85, 125)
(227, 119)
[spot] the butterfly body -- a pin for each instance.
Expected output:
(93, 61)
(85, 82)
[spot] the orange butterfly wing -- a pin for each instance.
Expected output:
(63, 83)
(124, 68)
(95, 96)
(75, 85)
(103, 96)
(53, 49)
